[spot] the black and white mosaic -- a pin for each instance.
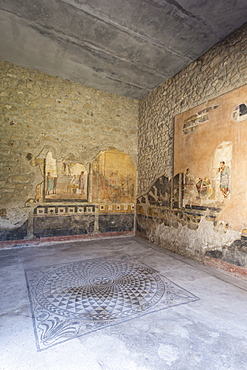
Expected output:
(72, 299)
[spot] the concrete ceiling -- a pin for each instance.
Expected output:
(126, 47)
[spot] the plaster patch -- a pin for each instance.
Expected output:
(204, 238)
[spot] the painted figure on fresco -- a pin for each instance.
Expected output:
(198, 186)
(64, 180)
(73, 186)
(204, 187)
(224, 178)
(81, 183)
(114, 186)
(113, 177)
(50, 182)
(201, 188)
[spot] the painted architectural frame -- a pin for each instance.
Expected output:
(65, 180)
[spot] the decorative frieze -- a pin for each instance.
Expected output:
(67, 210)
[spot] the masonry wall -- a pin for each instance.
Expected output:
(220, 70)
(40, 114)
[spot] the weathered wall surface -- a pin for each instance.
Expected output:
(219, 71)
(210, 150)
(40, 113)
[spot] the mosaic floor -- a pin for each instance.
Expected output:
(73, 299)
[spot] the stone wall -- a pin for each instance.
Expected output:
(41, 113)
(221, 70)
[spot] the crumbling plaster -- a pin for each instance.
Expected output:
(41, 113)
(220, 70)
(192, 243)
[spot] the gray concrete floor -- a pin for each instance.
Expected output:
(210, 333)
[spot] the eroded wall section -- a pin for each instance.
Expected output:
(203, 215)
(52, 132)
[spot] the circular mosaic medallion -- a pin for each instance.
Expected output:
(102, 289)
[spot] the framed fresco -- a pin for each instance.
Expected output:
(65, 180)
(210, 151)
(113, 177)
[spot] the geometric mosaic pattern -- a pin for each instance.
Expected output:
(76, 298)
